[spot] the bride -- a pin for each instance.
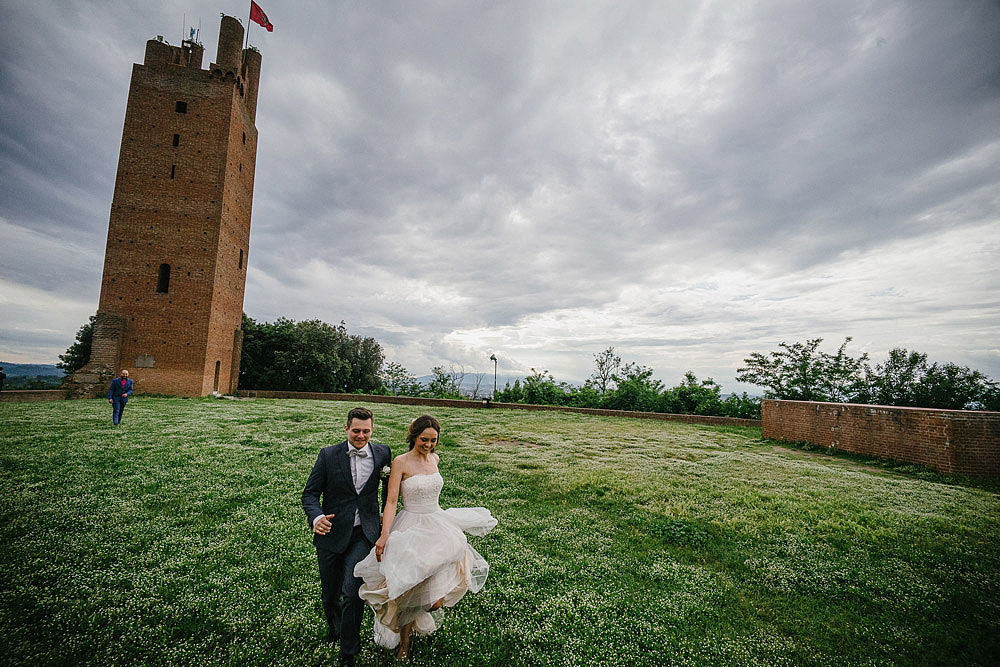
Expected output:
(422, 561)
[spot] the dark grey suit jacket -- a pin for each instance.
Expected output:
(330, 490)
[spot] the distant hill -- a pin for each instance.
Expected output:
(469, 383)
(31, 370)
(31, 376)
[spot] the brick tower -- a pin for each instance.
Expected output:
(175, 265)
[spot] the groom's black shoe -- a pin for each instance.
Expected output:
(346, 661)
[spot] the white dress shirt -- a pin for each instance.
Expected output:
(361, 470)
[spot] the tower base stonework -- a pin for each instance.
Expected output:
(105, 358)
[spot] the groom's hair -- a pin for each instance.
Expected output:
(359, 413)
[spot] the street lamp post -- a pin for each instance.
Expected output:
(493, 358)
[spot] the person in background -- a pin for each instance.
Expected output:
(118, 394)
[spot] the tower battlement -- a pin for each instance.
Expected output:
(158, 52)
(179, 229)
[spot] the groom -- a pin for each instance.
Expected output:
(346, 523)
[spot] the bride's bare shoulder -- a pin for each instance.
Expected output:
(405, 464)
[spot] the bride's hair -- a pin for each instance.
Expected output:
(419, 425)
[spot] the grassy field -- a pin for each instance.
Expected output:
(178, 539)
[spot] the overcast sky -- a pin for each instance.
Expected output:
(686, 181)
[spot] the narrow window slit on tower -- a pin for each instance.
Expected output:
(241, 258)
(163, 280)
(173, 170)
(177, 140)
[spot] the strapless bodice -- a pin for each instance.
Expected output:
(420, 493)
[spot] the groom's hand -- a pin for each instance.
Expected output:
(322, 525)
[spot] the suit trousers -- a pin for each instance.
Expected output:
(117, 409)
(341, 603)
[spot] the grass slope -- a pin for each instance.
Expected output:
(178, 539)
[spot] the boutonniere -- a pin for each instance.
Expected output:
(385, 471)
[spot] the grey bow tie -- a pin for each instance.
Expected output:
(357, 452)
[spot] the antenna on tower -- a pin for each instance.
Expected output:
(183, 27)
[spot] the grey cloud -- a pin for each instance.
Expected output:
(524, 159)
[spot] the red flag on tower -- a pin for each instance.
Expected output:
(258, 16)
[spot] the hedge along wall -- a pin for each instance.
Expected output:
(958, 442)
(458, 403)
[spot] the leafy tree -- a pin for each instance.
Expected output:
(364, 360)
(636, 389)
(800, 372)
(954, 387)
(895, 381)
(78, 354)
(511, 394)
(693, 397)
(632, 388)
(540, 388)
(444, 384)
(606, 364)
(259, 361)
(586, 396)
(741, 406)
(308, 356)
(844, 376)
(314, 360)
(905, 378)
(398, 381)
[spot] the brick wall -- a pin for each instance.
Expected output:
(958, 442)
(451, 403)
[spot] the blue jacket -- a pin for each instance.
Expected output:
(116, 390)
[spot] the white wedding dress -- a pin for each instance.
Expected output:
(426, 558)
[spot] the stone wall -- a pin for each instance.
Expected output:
(33, 395)
(452, 403)
(958, 442)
